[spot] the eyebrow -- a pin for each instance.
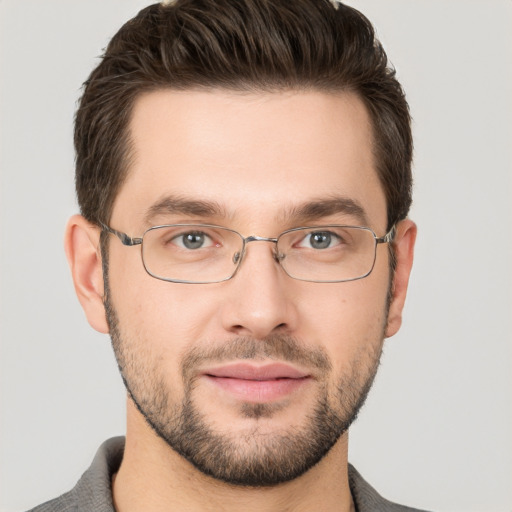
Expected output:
(317, 209)
(305, 212)
(179, 205)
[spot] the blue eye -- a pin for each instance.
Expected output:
(193, 240)
(320, 240)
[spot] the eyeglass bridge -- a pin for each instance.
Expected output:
(254, 238)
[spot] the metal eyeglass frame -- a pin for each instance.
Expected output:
(131, 241)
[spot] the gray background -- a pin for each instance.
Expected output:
(436, 432)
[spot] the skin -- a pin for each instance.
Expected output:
(257, 156)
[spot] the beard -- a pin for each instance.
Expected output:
(253, 457)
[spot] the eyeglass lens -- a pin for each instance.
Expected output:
(207, 254)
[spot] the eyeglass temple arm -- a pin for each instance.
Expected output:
(125, 239)
(388, 237)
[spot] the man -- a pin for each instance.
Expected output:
(259, 153)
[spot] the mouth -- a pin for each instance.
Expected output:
(257, 384)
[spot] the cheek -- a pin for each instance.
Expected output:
(166, 316)
(346, 318)
(157, 323)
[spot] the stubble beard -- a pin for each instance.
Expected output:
(252, 458)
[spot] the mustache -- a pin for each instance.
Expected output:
(278, 346)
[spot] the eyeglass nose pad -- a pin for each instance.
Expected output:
(279, 256)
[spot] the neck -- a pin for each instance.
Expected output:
(154, 478)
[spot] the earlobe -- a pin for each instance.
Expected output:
(82, 245)
(404, 254)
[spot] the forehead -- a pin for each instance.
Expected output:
(253, 154)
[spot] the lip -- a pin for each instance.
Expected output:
(257, 384)
(247, 371)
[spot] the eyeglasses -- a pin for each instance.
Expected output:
(204, 253)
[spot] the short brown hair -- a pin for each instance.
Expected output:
(243, 45)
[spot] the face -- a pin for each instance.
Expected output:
(253, 379)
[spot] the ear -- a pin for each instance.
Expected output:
(403, 246)
(82, 245)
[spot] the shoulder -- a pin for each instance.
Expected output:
(367, 499)
(93, 492)
(65, 503)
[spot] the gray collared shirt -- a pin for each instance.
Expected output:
(93, 492)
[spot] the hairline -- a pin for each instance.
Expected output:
(127, 142)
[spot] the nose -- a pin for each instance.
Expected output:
(260, 301)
